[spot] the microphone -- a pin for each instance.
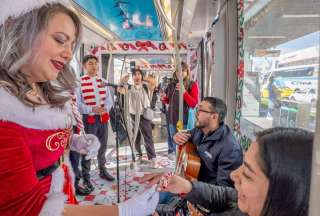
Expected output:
(113, 85)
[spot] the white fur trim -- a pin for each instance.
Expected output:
(54, 205)
(70, 170)
(57, 181)
(42, 117)
(16, 8)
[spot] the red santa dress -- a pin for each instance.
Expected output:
(32, 143)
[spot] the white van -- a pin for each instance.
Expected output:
(296, 77)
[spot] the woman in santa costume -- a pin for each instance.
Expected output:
(37, 41)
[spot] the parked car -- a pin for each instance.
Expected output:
(306, 95)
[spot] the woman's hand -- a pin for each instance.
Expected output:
(151, 179)
(151, 82)
(167, 182)
(174, 184)
(124, 79)
(122, 90)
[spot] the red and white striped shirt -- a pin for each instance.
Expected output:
(89, 89)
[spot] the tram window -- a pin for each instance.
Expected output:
(120, 70)
(281, 64)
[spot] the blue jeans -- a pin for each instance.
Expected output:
(171, 144)
(165, 197)
(172, 132)
(270, 107)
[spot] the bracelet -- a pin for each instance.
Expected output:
(165, 179)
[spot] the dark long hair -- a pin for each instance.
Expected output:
(286, 158)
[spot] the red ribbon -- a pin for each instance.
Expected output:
(240, 70)
(144, 45)
(67, 187)
(95, 50)
(163, 46)
(123, 46)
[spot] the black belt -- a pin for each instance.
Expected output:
(47, 171)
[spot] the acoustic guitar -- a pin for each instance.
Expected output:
(188, 162)
(188, 166)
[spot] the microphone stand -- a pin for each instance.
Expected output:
(118, 118)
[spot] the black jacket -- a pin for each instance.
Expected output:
(220, 154)
(219, 200)
(173, 108)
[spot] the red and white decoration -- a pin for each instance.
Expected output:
(140, 47)
(156, 67)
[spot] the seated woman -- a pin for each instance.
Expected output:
(273, 180)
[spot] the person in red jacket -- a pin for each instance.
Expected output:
(171, 97)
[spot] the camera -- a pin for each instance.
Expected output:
(175, 206)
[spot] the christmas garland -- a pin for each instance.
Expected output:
(242, 139)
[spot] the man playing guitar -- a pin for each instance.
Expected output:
(216, 146)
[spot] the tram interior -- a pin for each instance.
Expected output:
(229, 54)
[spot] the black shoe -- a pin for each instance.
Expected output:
(82, 191)
(105, 175)
(88, 184)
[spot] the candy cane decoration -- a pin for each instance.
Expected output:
(76, 114)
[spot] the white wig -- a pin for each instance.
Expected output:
(16, 8)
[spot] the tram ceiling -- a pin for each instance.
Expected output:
(279, 22)
(196, 18)
(129, 20)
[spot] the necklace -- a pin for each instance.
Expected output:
(34, 93)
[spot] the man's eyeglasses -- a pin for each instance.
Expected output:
(197, 110)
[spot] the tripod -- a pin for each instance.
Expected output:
(118, 118)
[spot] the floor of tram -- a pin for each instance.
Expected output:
(106, 192)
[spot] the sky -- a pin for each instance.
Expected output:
(306, 41)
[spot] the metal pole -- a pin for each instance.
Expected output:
(117, 119)
(180, 77)
(178, 62)
(314, 207)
